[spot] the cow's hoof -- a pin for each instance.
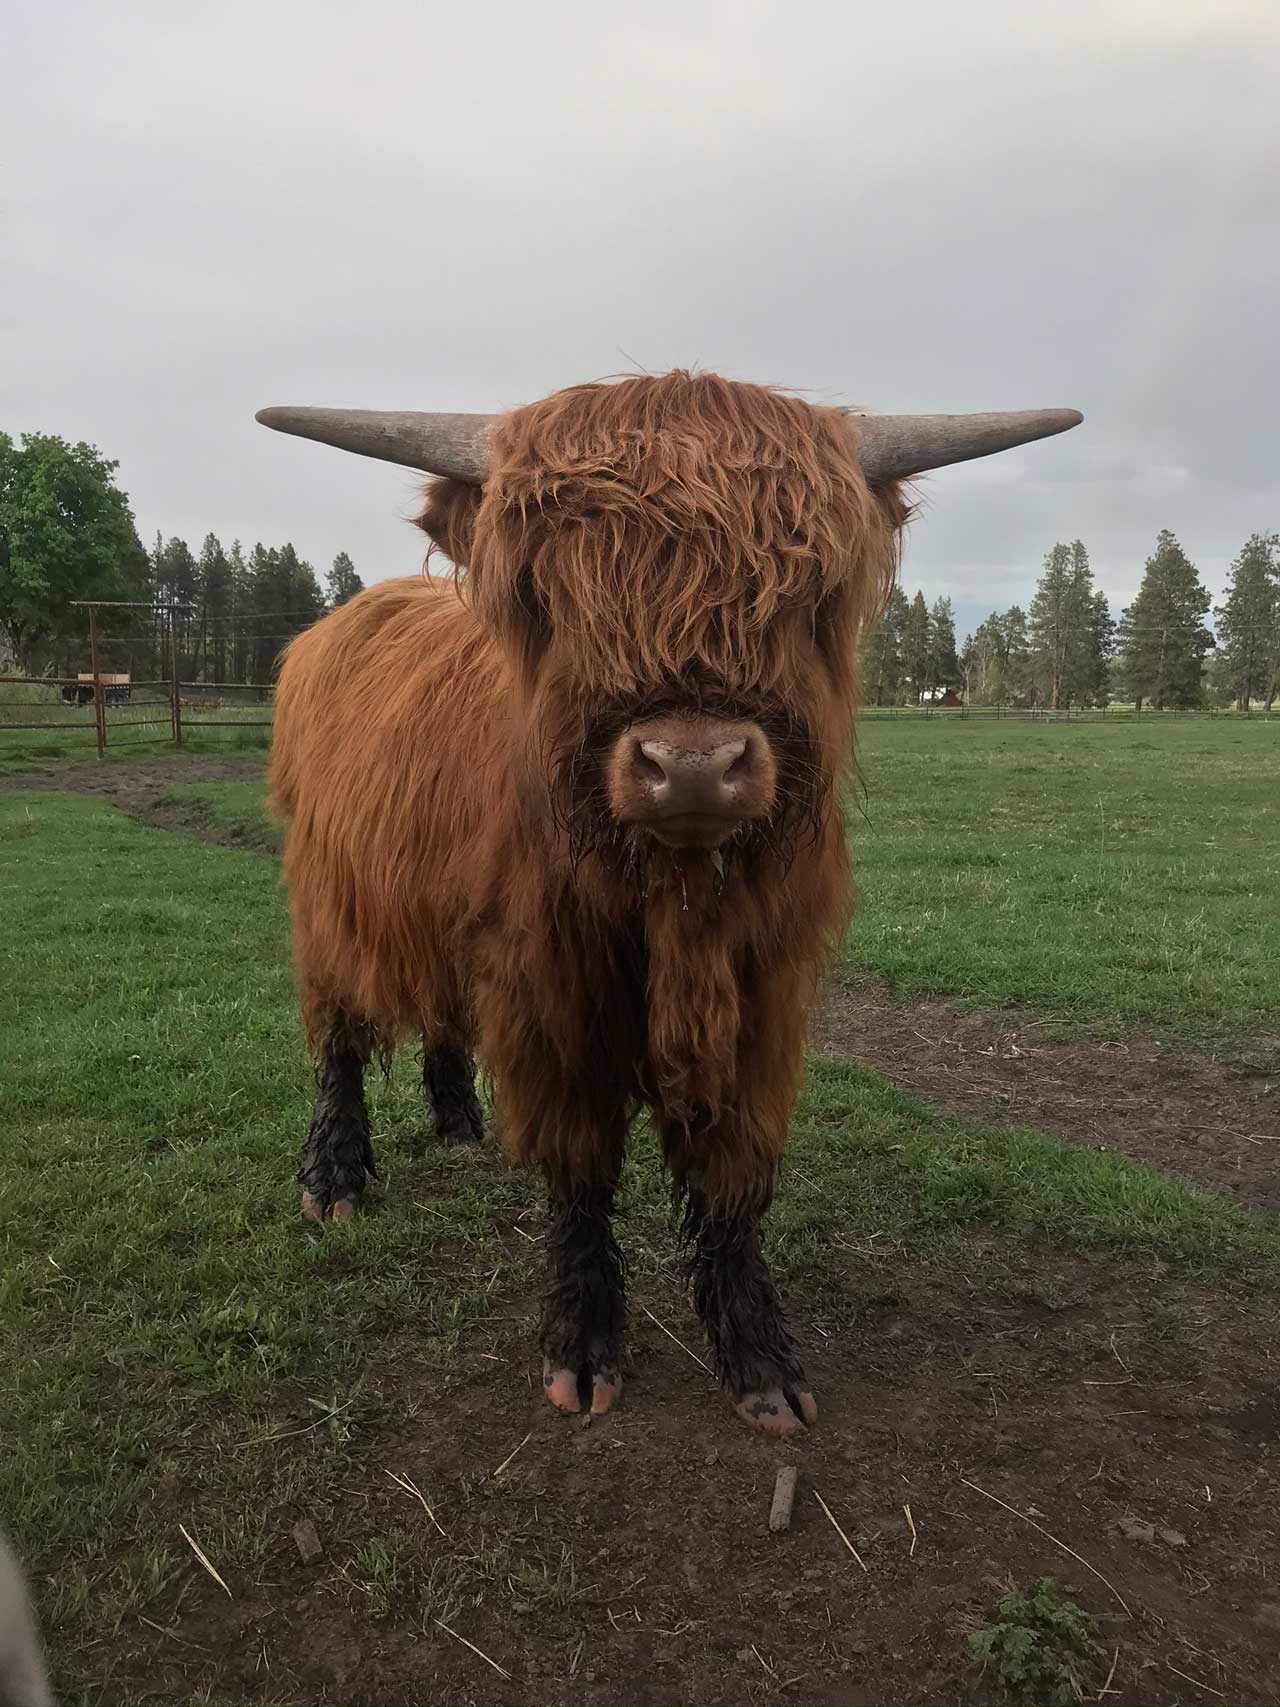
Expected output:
(460, 1126)
(317, 1207)
(778, 1412)
(565, 1387)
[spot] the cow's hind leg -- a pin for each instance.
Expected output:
(449, 1085)
(337, 1159)
(584, 1308)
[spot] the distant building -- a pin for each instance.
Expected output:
(950, 698)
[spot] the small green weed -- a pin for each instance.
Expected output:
(1037, 1644)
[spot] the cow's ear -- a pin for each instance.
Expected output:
(449, 518)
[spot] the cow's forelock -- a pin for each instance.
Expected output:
(669, 543)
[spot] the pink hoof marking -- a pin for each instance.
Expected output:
(605, 1393)
(772, 1414)
(561, 1387)
(313, 1208)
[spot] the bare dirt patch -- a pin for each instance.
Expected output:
(142, 789)
(1210, 1120)
(1128, 1411)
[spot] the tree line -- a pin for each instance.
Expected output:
(1067, 649)
(67, 534)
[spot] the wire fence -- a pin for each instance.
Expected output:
(1064, 714)
(163, 678)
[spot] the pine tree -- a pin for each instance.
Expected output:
(240, 603)
(943, 666)
(215, 600)
(1163, 638)
(1053, 621)
(1095, 683)
(1016, 681)
(1091, 634)
(1249, 622)
(915, 646)
(342, 581)
(176, 578)
(882, 666)
(1071, 631)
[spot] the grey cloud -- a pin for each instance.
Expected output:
(465, 206)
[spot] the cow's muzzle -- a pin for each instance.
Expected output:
(691, 781)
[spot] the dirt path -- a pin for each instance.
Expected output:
(1212, 1121)
(140, 787)
(1128, 1411)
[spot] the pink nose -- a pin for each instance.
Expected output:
(692, 781)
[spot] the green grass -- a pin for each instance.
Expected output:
(140, 729)
(164, 1317)
(237, 809)
(1097, 871)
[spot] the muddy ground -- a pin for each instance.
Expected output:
(1126, 1411)
(1107, 1421)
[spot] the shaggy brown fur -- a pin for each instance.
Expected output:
(656, 547)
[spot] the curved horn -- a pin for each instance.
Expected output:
(894, 447)
(454, 445)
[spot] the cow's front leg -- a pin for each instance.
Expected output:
(733, 1291)
(584, 1308)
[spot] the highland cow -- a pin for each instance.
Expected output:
(574, 812)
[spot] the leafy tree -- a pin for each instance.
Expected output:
(342, 581)
(1163, 639)
(915, 646)
(996, 659)
(943, 665)
(882, 665)
(980, 662)
(66, 533)
(1249, 623)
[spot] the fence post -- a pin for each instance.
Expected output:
(175, 702)
(99, 709)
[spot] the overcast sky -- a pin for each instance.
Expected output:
(405, 204)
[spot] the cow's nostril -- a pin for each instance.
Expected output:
(645, 766)
(739, 767)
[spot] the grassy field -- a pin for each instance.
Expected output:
(1099, 872)
(163, 1317)
(143, 725)
(1095, 870)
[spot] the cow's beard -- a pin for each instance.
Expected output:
(581, 810)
